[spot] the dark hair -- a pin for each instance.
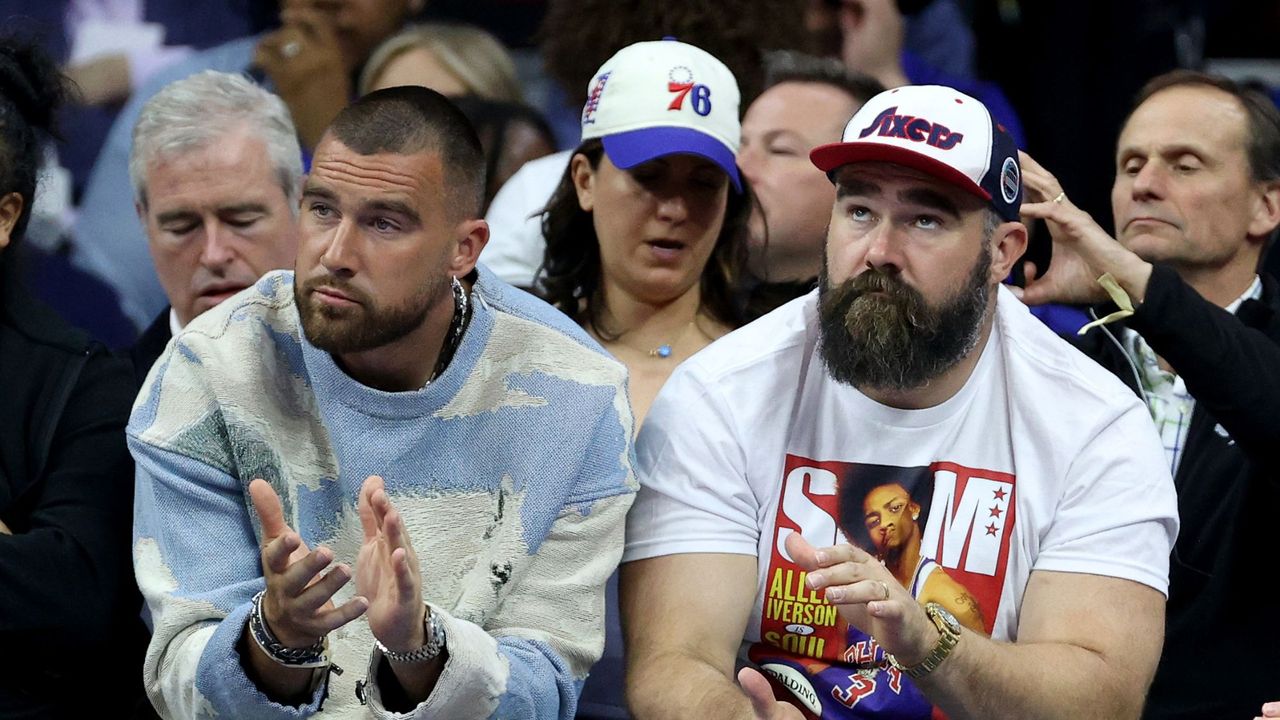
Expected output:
(1262, 126)
(578, 36)
(783, 66)
(31, 91)
(492, 120)
(859, 480)
(571, 272)
(411, 119)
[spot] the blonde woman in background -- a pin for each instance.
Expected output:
(471, 67)
(452, 59)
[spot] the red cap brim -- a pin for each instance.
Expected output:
(829, 157)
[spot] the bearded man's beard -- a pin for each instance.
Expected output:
(878, 332)
(365, 326)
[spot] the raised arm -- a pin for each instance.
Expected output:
(1198, 339)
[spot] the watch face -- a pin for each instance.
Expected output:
(941, 613)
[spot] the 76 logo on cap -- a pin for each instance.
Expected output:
(680, 81)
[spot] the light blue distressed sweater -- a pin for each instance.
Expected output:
(513, 471)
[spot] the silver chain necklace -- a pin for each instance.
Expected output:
(453, 338)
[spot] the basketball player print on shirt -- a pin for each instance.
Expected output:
(944, 532)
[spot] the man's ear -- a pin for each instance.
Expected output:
(473, 235)
(1008, 243)
(10, 210)
(584, 181)
(1266, 212)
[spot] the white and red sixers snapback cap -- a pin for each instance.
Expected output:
(936, 130)
(664, 97)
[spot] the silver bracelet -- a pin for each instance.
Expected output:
(307, 657)
(433, 629)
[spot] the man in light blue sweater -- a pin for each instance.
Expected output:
(389, 413)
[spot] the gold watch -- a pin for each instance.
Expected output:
(950, 629)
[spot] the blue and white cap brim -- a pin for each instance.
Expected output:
(629, 149)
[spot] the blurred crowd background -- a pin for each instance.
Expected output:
(1061, 74)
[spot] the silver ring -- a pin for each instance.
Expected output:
(1061, 196)
(885, 588)
(290, 49)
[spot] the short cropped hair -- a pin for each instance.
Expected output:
(1262, 124)
(408, 120)
(198, 111)
(784, 66)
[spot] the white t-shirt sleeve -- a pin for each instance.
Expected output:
(694, 493)
(1118, 515)
(516, 245)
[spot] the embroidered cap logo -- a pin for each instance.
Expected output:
(1010, 179)
(593, 99)
(680, 82)
(916, 129)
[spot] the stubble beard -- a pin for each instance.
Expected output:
(897, 341)
(365, 326)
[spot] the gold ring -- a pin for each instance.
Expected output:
(1061, 196)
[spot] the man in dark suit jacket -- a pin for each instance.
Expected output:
(216, 171)
(1196, 202)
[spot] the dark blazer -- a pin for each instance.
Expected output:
(149, 346)
(70, 635)
(1222, 640)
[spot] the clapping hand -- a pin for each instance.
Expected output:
(387, 572)
(298, 605)
(867, 596)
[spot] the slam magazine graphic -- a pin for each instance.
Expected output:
(943, 530)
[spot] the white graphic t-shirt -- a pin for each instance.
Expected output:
(1042, 461)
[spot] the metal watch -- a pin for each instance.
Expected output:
(950, 629)
(433, 631)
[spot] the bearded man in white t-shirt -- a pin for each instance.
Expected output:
(1041, 485)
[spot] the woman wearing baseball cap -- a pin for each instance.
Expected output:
(646, 233)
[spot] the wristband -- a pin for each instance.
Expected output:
(1118, 296)
(308, 657)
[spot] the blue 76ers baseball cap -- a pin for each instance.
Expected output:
(664, 97)
(936, 130)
